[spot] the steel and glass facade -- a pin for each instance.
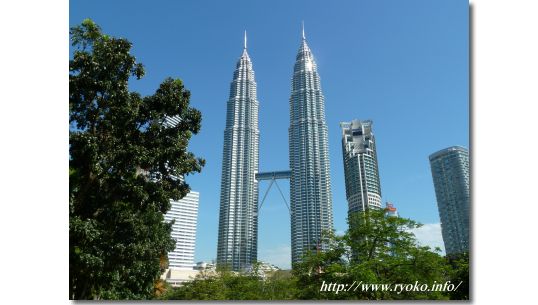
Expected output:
(363, 189)
(450, 172)
(238, 220)
(310, 183)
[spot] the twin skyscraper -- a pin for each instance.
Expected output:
(310, 184)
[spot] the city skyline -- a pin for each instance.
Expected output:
(404, 65)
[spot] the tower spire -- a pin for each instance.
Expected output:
(245, 43)
(303, 30)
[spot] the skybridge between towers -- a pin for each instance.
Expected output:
(273, 177)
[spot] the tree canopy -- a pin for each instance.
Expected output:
(125, 165)
(375, 250)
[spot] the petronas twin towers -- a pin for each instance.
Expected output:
(310, 184)
(238, 220)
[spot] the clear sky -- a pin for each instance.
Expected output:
(402, 64)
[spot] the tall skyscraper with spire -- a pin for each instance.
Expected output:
(238, 220)
(310, 183)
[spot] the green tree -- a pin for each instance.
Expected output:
(227, 285)
(318, 266)
(375, 250)
(280, 285)
(123, 169)
(459, 274)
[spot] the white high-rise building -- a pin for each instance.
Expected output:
(185, 214)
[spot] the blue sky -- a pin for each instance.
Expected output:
(402, 64)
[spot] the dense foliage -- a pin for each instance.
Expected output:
(123, 169)
(227, 285)
(375, 250)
